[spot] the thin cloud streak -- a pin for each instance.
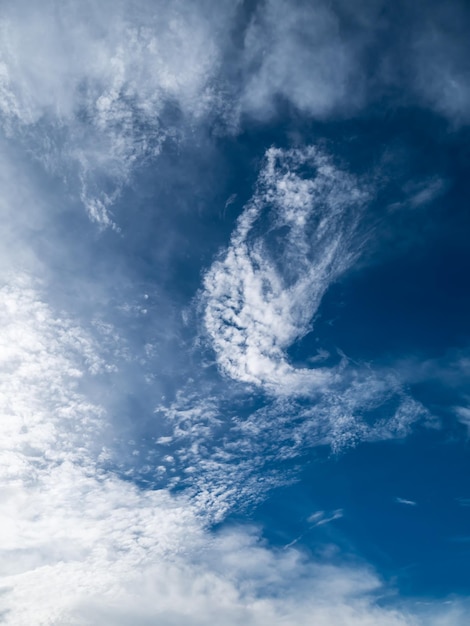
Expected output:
(405, 501)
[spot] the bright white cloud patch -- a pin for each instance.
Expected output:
(291, 242)
(44, 417)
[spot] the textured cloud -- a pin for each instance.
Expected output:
(300, 231)
(45, 418)
(88, 93)
(79, 545)
(292, 241)
(82, 549)
(220, 448)
(94, 90)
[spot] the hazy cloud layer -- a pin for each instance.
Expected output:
(96, 91)
(92, 89)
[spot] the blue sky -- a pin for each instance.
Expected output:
(234, 309)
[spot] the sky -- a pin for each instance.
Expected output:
(234, 305)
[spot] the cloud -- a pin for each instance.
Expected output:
(333, 60)
(293, 240)
(229, 448)
(91, 90)
(404, 501)
(43, 361)
(301, 53)
(439, 60)
(80, 545)
(297, 235)
(84, 549)
(319, 518)
(97, 92)
(463, 415)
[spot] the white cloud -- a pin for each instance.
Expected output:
(405, 501)
(258, 302)
(87, 549)
(222, 445)
(80, 546)
(319, 518)
(463, 415)
(296, 236)
(43, 359)
(87, 87)
(96, 91)
(82, 549)
(91, 89)
(300, 51)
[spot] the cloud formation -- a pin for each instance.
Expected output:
(80, 545)
(302, 56)
(92, 89)
(91, 92)
(95, 92)
(259, 302)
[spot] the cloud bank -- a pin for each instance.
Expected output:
(95, 92)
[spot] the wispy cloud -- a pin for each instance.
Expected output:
(404, 501)
(463, 415)
(257, 302)
(96, 92)
(319, 518)
(91, 90)
(297, 234)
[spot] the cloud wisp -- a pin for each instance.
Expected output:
(405, 501)
(257, 303)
